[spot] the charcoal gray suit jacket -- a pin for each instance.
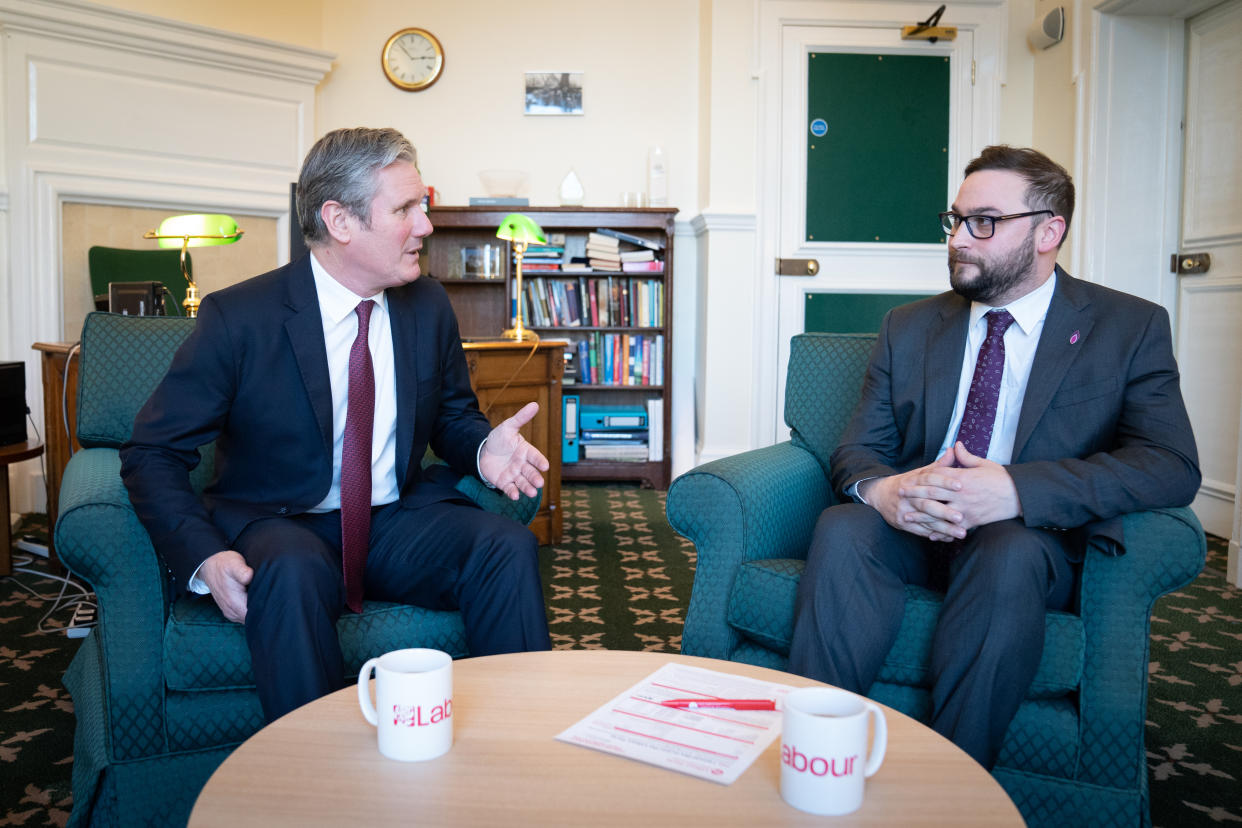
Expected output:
(1103, 429)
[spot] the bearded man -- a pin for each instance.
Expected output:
(1001, 425)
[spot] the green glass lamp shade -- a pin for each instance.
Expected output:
(516, 227)
(197, 230)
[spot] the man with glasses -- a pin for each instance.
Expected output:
(1003, 426)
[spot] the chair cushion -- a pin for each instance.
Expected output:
(202, 651)
(761, 608)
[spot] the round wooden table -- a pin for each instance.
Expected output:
(319, 765)
(12, 453)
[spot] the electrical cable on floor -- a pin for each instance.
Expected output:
(60, 602)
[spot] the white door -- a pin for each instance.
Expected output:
(1209, 346)
(855, 267)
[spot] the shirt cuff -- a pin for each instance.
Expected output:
(478, 464)
(197, 585)
(852, 490)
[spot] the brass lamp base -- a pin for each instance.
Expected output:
(191, 301)
(521, 334)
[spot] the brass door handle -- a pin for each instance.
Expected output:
(797, 267)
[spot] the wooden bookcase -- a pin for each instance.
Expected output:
(483, 308)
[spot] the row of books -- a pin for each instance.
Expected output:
(618, 359)
(612, 301)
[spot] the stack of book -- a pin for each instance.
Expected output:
(623, 252)
(544, 257)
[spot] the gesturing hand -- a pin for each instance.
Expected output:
(227, 575)
(510, 463)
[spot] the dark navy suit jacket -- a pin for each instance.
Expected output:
(253, 377)
(1102, 431)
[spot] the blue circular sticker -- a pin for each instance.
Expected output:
(819, 127)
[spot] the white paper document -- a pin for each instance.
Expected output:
(712, 743)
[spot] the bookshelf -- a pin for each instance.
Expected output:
(483, 310)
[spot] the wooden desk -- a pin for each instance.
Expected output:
(319, 765)
(493, 364)
(60, 384)
(12, 453)
(506, 375)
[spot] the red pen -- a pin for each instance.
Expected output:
(733, 704)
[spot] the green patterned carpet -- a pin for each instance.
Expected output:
(621, 579)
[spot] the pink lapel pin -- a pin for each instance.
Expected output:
(1074, 337)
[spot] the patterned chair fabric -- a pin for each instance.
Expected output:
(1074, 754)
(162, 689)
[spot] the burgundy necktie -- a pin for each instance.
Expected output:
(356, 461)
(976, 429)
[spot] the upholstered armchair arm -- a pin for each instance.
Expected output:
(1165, 550)
(99, 538)
(750, 506)
(522, 510)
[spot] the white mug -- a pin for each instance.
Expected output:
(413, 713)
(824, 759)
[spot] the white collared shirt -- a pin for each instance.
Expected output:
(337, 306)
(1021, 340)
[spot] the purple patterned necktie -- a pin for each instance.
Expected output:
(356, 461)
(976, 429)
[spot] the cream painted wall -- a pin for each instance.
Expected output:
(299, 23)
(1053, 94)
(640, 88)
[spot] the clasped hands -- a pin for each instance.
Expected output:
(945, 500)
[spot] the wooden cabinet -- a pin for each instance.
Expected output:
(507, 375)
(484, 309)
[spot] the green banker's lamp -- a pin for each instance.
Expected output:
(521, 231)
(194, 230)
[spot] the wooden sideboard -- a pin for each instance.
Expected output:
(505, 376)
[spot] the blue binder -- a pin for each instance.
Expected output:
(569, 423)
(599, 417)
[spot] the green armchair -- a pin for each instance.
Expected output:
(1074, 754)
(162, 688)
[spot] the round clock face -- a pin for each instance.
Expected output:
(412, 59)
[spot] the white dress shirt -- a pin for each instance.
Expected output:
(337, 306)
(1021, 340)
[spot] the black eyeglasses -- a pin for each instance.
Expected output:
(981, 227)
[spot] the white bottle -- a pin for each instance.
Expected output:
(657, 180)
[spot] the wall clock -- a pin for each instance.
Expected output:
(412, 59)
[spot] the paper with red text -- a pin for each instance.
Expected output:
(717, 744)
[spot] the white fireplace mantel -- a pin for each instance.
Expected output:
(114, 107)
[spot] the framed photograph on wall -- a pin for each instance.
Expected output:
(554, 93)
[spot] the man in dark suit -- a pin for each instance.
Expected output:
(1001, 424)
(322, 384)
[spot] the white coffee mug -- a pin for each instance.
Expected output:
(413, 713)
(824, 758)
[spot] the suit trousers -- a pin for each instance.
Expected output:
(988, 642)
(448, 555)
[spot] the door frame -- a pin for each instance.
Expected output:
(988, 22)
